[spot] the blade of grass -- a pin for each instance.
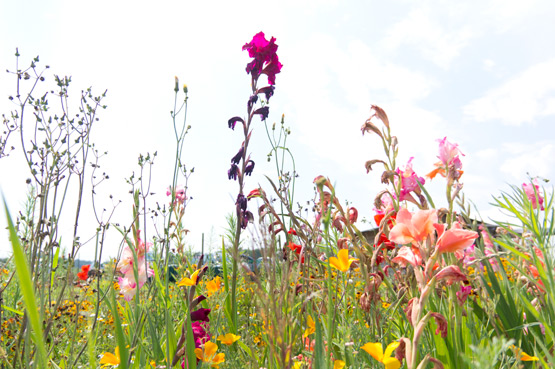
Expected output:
(24, 276)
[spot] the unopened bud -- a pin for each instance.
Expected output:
(176, 88)
(185, 89)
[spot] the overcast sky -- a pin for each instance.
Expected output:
(481, 73)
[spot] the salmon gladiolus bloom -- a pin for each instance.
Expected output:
(454, 239)
(413, 228)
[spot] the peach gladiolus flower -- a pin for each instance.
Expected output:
(412, 228)
(406, 255)
(454, 239)
(342, 262)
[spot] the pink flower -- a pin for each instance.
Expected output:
(265, 60)
(448, 152)
(450, 164)
(454, 239)
(412, 228)
(200, 333)
(127, 288)
(463, 294)
(532, 191)
(409, 182)
(180, 196)
(406, 255)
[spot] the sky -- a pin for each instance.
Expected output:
(481, 73)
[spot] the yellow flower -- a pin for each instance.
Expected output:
(338, 364)
(110, 359)
(189, 281)
(342, 262)
(209, 354)
(311, 327)
(376, 351)
(228, 339)
(523, 355)
(213, 286)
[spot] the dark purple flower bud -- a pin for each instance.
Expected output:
(241, 202)
(263, 111)
(268, 91)
(252, 100)
(231, 123)
(237, 158)
(233, 172)
(246, 218)
(200, 314)
(249, 167)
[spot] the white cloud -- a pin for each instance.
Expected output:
(436, 42)
(537, 159)
(523, 99)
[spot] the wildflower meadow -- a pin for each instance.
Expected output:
(426, 284)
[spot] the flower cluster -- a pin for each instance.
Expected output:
(134, 267)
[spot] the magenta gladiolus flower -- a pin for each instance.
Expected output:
(200, 314)
(201, 333)
(265, 60)
(532, 190)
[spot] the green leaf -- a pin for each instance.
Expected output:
(24, 276)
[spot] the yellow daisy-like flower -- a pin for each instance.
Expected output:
(342, 262)
(376, 351)
(228, 339)
(311, 327)
(110, 359)
(208, 354)
(189, 281)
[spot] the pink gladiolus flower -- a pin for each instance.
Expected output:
(406, 255)
(454, 239)
(412, 228)
(450, 164)
(463, 294)
(179, 194)
(531, 190)
(127, 288)
(448, 152)
(409, 182)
